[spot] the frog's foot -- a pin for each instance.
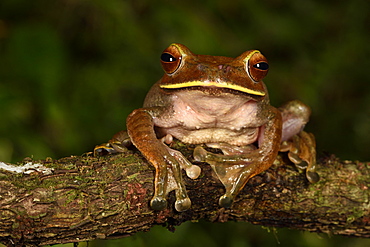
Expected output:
(233, 170)
(118, 144)
(176, 183)
(301, 150)
(169, 178)
(192, 171)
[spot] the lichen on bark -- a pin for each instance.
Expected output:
(86, 198)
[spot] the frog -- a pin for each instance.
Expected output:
(215, 103)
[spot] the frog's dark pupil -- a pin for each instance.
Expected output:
(166, 57)
(261, 66)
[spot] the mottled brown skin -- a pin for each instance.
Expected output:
(220, 102)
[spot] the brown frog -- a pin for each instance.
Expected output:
(220, 102)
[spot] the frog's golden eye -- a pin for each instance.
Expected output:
(171, 59)
(257, 66)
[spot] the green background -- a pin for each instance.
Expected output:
(72, 70)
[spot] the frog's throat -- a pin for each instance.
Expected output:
(213, 84)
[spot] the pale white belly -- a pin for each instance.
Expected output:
(196, 118)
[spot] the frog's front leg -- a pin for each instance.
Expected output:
(167, 162)
(234, 169)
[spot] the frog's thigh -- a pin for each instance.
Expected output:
(295, 115)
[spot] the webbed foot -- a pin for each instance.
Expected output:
(301, 150)
(233, 170)
(175, 181)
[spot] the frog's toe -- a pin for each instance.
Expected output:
(193, 171)
(313, 177)
(103, 150)
(200, 154)
(302, 165)
(294, 157)
(182, 204)
(158, 203)
(225, 201)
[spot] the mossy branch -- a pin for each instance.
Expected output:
(82, 198)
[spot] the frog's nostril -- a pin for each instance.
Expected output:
(225, 68)
(201, 67)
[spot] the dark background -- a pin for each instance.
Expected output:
(72, 70)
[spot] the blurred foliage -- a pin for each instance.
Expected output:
(72, 70)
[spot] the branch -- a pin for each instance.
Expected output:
(82, 198)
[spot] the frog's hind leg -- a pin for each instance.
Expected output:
(300, 145)
(301, 150)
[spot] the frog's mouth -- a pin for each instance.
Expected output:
(213, 84)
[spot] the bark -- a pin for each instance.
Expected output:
(82, 198)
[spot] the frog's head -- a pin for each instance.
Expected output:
(184, 69)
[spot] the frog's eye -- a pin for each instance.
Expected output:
(257, 66)
(167, 58)
(171, 59)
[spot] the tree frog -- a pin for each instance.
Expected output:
(218, 102)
